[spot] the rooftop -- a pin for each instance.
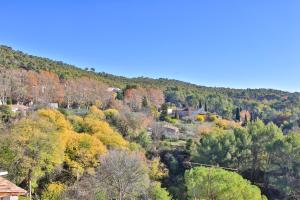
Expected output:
(7, 188)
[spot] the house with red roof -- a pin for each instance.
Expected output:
(9, 191)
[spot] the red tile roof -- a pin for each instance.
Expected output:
(7, 188)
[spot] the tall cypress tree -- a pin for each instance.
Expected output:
(238, 114)
(205, 107)
(145, 102)
(251, 117)
(200, 104)
(176, 114)
(246, 120)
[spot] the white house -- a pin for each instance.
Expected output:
(112, 89)
(52, 105)
(19, 108)
(170, 111)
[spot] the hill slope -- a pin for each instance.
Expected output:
(10, 58)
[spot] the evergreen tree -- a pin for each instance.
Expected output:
(238, 114)
(120, 96)
(215, 183)
(200, 104)
(205, 107)
(176, 115)
(245, 120)
(145, 102)
(164, 112)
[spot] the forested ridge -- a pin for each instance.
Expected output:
(10, 58)
(72, 133)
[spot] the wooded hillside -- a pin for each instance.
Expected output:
(71, 133)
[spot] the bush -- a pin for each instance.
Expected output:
(111, 113)
(144, 139)
(200, 118)
(158, 193)
(6, 113)
(77, 123)
(227, 124)
(213, 118)
(53, 191)
(96, 113)
(171, 120)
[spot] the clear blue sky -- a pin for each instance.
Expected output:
(240, 44)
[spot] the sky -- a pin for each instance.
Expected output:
(232, 43)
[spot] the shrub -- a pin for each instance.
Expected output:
(110, 113)
(227, 124)
(96, 113)
(213, 118)
(5, 113)
(158, 193)
(200, 118)
(171, 120)
(53, 191)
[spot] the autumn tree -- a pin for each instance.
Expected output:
(38, 145)
(54, 191)
(83, 152)
(18, 86)
(134, 97)
(155, 96)
(32, 87)
(85, 91)
(95, 125)
(50, 87)
(71, 92)
(5, 85)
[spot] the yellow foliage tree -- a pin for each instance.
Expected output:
(64, 128)
(95, 113)
(83, 152)
(108, 136)
(101, 129)
(157, 170)
(56, 118)
(111, 113)
(53, 191)
(37, 148)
